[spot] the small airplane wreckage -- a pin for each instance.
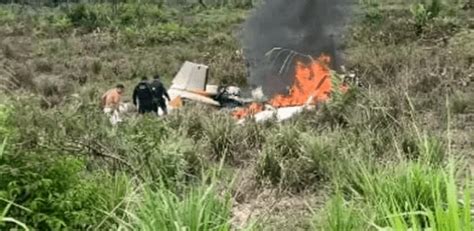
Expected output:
(191, 84)
(313, 83)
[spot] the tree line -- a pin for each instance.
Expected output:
(204, 3)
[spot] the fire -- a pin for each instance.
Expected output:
(312, 84)
(253, 109)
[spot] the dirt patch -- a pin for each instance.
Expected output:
(282, 210)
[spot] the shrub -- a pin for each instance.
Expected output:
(142, 14)
(373, 12)
(89, 18)
(8, 51)
(22, 77)
(460, 104)
(96, 67)
(165, 155)
(166, 33)
(421, 16)
(60, 23)
(50, 189)
(253, 134)
(53, 190)
(220, 132)
(293, 160)
(145, 148)
(340, 109)
(189, 120)
(6, 16)
(53, 89)
(422, 13)
(43, 66)
(281, 147)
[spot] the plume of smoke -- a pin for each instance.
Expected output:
(281, 31)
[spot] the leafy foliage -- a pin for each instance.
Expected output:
(51, 188)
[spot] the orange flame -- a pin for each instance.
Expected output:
(253, 109)
(312, 84)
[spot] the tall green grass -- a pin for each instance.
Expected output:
(199, 209)
(448, 213)
(412, 196)
(341, 215)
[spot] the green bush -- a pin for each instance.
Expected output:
(460, 103)
(294, 160)
(281, 147)
(145, 147)
(60, 23)
(166, 33)
(6, 16)
(424, 13)
(142, 14)
(156, 34)
(222, 136)
(88, 17)
(421, 16)
(165, 155)
(52, 188)
(189, 121)
(373, 12)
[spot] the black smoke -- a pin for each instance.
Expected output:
(309, 27)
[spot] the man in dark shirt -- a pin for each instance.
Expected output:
(159, 92)
(143, 97)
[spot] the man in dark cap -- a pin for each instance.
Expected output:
(143, 96)
(159, 92)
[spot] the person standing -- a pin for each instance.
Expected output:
(143, 96)
(159, 94)
(110, 102)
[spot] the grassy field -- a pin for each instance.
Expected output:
(394, 153)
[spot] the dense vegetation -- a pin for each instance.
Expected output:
(392, 152)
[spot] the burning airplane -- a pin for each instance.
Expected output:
(291, 49)
(312, 84)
